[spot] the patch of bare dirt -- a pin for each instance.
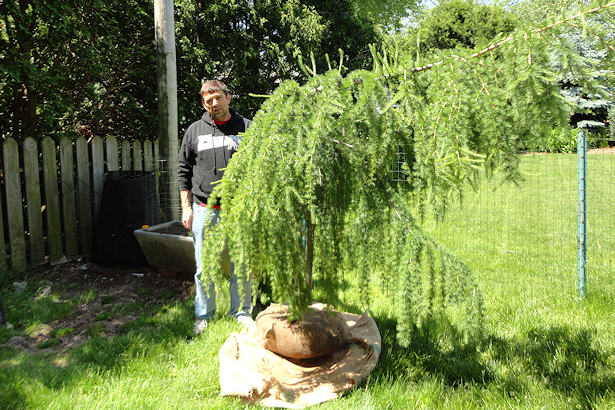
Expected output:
(173, 229)
(607, 150)
(121, 294)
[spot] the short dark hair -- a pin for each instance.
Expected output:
(211, 86)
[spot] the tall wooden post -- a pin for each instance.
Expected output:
(167, 108)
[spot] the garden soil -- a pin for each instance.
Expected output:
(143, 287)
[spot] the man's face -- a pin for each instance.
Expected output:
(216, 104)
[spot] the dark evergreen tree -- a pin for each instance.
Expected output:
(254, 45)
(463, 23)
(77, 66)
(90, 66)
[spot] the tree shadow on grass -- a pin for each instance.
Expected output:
(452, 361)
(151, 334)
(563, 360)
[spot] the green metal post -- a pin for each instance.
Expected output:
(582, 212)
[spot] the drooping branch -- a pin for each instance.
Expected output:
(309, 249)
(500, 43)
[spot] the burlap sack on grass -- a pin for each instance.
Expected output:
(263, 377)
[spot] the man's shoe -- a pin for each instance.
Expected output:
(199, 326)
(244, 319)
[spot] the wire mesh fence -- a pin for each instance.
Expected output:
(525, 236)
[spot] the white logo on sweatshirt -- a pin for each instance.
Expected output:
(209, 141)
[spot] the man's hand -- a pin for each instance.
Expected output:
(187, 215)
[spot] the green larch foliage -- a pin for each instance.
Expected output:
(309, 198)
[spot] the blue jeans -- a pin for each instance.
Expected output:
(205, 306)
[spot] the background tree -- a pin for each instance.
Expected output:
(89, 66)
(464, 24)
(589, 92)
(77, 65)
(541, 12)
(253, 45)
(391, 15)
(447, 26)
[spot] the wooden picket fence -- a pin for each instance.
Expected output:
(51, 194)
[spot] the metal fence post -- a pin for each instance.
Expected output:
(582, 212)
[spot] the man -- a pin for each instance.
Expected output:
(206, 149)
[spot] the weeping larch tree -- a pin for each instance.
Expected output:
(308, 199)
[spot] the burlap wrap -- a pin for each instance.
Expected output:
(263, 377)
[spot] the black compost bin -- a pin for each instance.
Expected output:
(129, 201)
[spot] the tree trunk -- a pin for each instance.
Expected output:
(309, 250)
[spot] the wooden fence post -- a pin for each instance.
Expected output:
(33, 199)
(84, 196)
(98, 171)
(67, 177)
(113, 161)
(52, 199)
(14, 203)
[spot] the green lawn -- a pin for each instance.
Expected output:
(542, 347)
(523, 239)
